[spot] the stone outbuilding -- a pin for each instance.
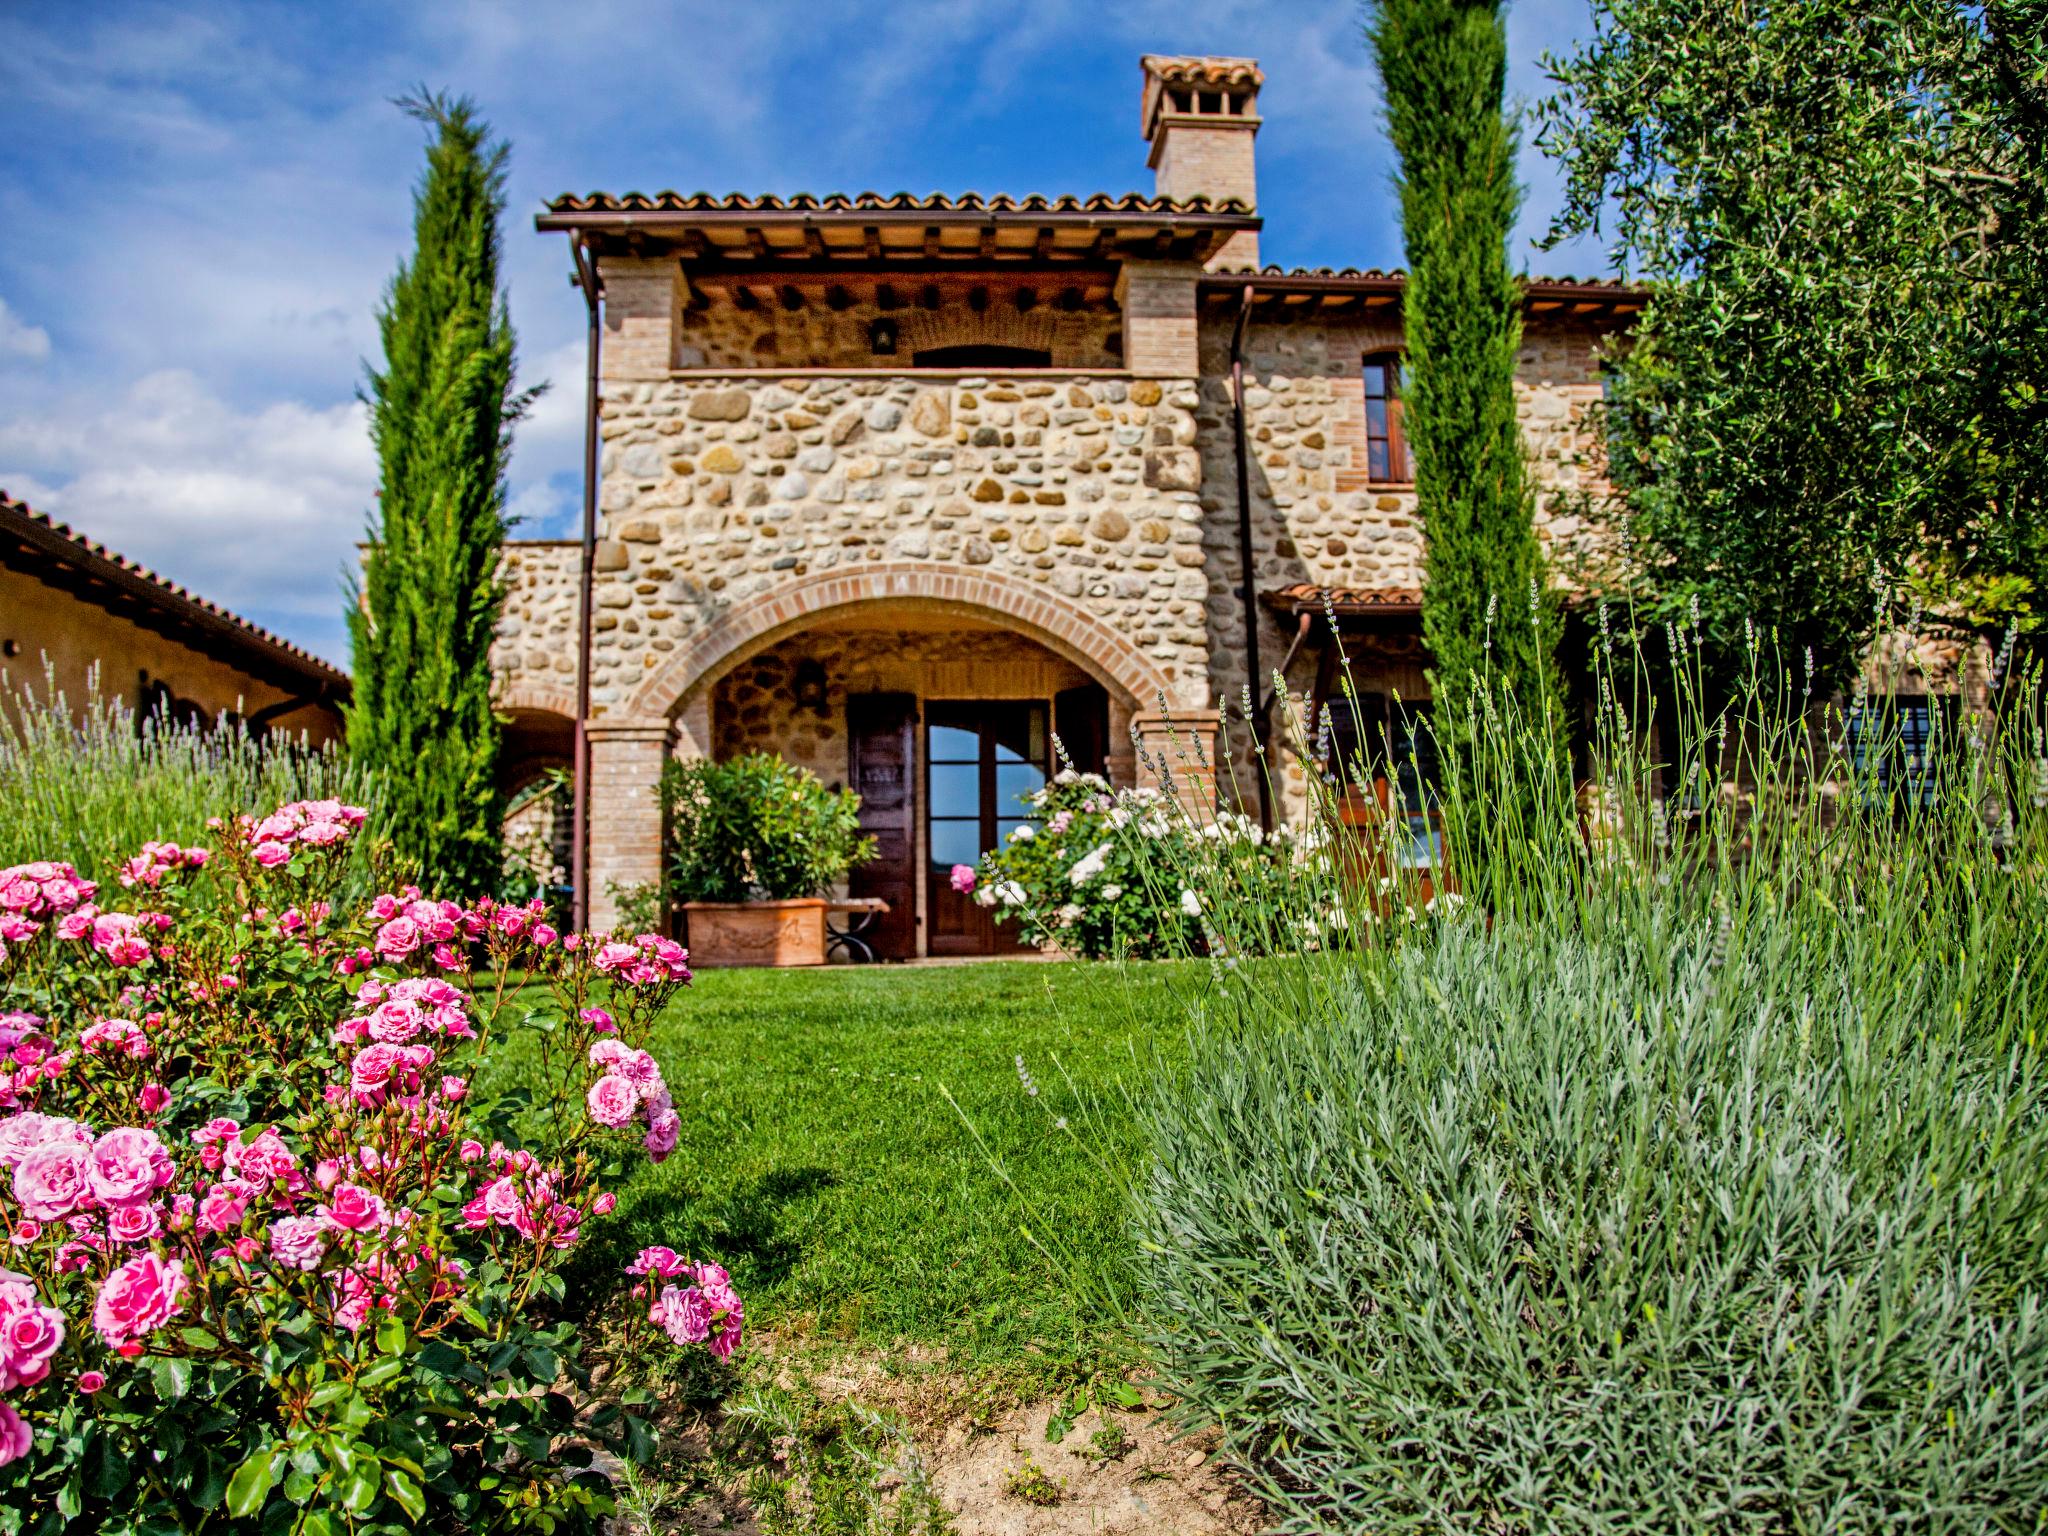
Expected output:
(74, 613)
(907, 488)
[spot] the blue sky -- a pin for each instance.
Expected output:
(204, 201)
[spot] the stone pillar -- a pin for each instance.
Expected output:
(1177, 750)
(625, 811)
(643, 305)
(1158, 299)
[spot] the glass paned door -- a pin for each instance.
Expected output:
(983, 761)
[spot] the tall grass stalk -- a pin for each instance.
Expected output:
(89, 781)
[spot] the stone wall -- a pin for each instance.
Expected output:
(722, 335)
(719, 490)
(1315, 517)
(534, 655)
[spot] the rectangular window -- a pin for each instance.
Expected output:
(1386, 447)
(1896, 747)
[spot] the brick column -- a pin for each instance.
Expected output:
(1181, 744)
(1158, 299)
(642, 302)
(625, 812)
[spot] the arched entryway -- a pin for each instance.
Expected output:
(536, 764)
(935, 694)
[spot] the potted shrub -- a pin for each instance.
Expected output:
(754, 843)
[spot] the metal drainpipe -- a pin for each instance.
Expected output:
(1244, 556)
(579, 836)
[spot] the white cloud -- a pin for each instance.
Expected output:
(20, 339)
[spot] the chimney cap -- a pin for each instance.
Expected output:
(1233, 77)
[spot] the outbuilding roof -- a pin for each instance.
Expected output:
(1345, 602)
(35, 542)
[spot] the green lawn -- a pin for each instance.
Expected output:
(823, 1164)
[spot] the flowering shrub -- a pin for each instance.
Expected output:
(268, 1256)
(1130, 872)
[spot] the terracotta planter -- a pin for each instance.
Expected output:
(725, 933)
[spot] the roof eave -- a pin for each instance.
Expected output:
(664, 221)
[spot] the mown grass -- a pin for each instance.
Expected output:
(822, 1161)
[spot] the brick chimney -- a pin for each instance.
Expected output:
(1200, 116)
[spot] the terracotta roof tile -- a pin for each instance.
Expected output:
(1176, 69)
(1398, 275)
(898, 202)
(25, 525)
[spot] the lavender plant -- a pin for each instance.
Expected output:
(1681, 1175)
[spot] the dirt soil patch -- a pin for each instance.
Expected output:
(988, 1463)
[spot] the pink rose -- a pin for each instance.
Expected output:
(222, 1207)
(598, 1020)
(114, 1037)
(129, 1164)
(663, 1132)
(296, 1243)
(21, 1134)
(659, 1262)
(154, 1097)
(134, 1223)
(394, 1022)
(641, 1068)
(370, 1073)
(682, 1315)
(614, 955)
(30, 1333)
(612, 1100)
(90, 1382)
(139, 1298)
(398, 938)
(354, 1208)
(264, 1160)
(15, 1438)
(963, 878)
(114, 936)
(604, 1204)
(502, 1202)
(53, 1180)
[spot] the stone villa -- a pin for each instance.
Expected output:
(903, 487)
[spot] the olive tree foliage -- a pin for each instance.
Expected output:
(1839, 389)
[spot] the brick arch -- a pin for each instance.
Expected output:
(1026, 608)
(553, 701)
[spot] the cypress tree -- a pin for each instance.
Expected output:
(427, 600)
(1443, 71)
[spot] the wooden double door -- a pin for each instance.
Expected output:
(954, 782)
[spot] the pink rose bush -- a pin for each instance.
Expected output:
(245, 1179)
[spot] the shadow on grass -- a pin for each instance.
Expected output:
(746, 1229)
